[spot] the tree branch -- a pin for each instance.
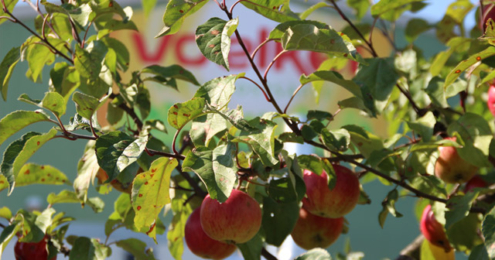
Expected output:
(411, 251)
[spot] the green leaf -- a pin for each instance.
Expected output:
(479, 253)
(363, 140)
(278, 220)
(150, 192)
(169, 73)
(464, 235)
(279, 31)
(309, 37)
(465, 64)
(319, 115)
(65, 196)
(218, 91)
(87, 168)
(311, 9)
(7, 66)
(88, 64)
(252, 248)
(136, 247)
(216, 168)
(64, 79)
(213, 39)
(175, 14)
(148, 6)
(360, 6)
(7, 234)
(488, 229)
(276, 10)
(282, 190)
(459, 207)
(235, 117)
(337, 140)
(10, 4)
(19, 152)
(334, 77)
(388, 5)
(86, 105)
(181, 113)
(52, 101)
(204, 128)
(377, 81)
(424, 126)
(476, 135)
(262, 140)
(85, 248)
(38, 174)
(37, 56)
(415, 27)
(316, 253)
(116, 150)
(121, 54)
(18, 120)
(389, 206)
(175, 234)
(311, 163)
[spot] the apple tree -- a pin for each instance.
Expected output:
(228, 180)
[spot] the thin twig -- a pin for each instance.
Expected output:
(254, 82)
(260, 46)
(232, 7)
(292, 97)
(271, 64)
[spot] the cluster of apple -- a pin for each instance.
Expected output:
(32, 251)
(213, 230)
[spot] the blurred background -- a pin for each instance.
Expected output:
(365, 234)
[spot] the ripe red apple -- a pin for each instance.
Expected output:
(475, 182)
(491, 98)
(234, 221)
(451, 168)
(32, 251)
(313, 231)
(200, 243)
(335, 203)
(488, 12)
(433, 230)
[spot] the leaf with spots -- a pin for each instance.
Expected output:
(176, 233)
(261, 140)
(276, 10)
(176, 12)
(86, 105)
(87, 168)
(37, 174)
(19, 152)
(18, 120)
(181, 113)
(150, 192)
(216, 168)
(218, 91)
(52, 101)
(116, 150)
(279, 31)
(465, 64)
(89, 64)
(308, 37)
(213, 39)
(204, 128)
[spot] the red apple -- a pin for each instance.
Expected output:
(234, 221)
(313, 231)
(475, 182)
(32, 251)
(433, 230)
(335, 203)
(200, 243)
(451, 168)
(491, 99)
(488, 12)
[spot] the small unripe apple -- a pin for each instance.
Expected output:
(335, 203)
(234, 221)
(433, 230)
(488, 12)
(491, 98)
(200, 243)
(313, 231)
(475, 182)
(33, 250)
(451, 168)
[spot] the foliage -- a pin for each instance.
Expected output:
(423, 100)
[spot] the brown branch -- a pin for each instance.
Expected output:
(411, 251)
(267, 254)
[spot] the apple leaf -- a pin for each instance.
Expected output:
(216, 168)
(360, 6)
(7, 67)
(424, 126)
(150, 192)
(262, 140)
(86, 105)
(7, 234)
(415, 27)
(476, 135)
(37, 56)
(116, 150)
(277, 33)
(175, 14)
(213, 39)
(36, 174)
(311, 163)
(334, 77)
(252, 248)
(18, 120)
(278, 220)
(363, 140)
(337, 140)
(458, 208)
(10, 4)
(389, 5)
(168, 73)
(136, 247)
(218, 91)
(313, 8)
(52, 101)
(479, 253)
(282, 190)
(461, 67)
(181, 113)
(316, 253)
(296, 175)
(276, 10)
(488, 229)
(175, 234)
(205, 127)
(87, 167)
(88, 64)
(235, 117)
(389, 206)
(88, 248)
(463, 235)
(66, 196)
